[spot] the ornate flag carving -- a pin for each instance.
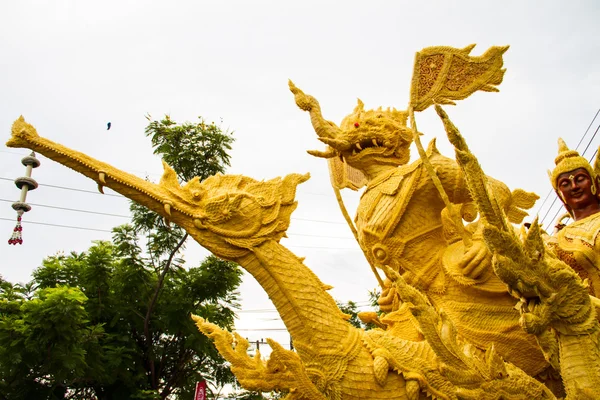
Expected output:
(443, 74)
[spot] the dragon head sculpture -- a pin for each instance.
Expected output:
(229, 214)
(364, 138)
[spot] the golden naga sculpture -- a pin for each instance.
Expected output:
(554, 301)
(451, 330)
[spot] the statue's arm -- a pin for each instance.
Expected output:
(453, 180)
(477, 259)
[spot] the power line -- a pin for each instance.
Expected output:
(359, 304)
(69, 188)
(548, 211)
(57, 225)
(590, 142)
(129, 217)
(104, 230)
(588, 128)
(318, 220)
(265, 329)
(321, 247)
(321, 236)
(154, 174)
(118, 195)
(134, 170)
(73, 209)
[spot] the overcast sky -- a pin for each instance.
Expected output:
(71, 66)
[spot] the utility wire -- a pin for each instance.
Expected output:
(109, 231)
(265, 329)
(118, 195)
(364, 303)
(549, 209)
(318, 220)
(129, 217)
(57, 225)
(69, 188)
(590, 142)
(588, 128)
(73, 209)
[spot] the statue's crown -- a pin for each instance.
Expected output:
(568, 160)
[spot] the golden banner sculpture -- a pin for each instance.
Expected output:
(450, 329)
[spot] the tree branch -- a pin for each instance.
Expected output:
(159, 286)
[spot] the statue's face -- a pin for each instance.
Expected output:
(576, 188)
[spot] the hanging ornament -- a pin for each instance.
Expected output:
(25, 183)
(17, 236)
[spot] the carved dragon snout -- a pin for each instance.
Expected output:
(382, 132)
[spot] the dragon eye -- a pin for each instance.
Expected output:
(356, 124)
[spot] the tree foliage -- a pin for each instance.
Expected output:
(351, 309)
(82, 333)
(113, 322)
(192, 149)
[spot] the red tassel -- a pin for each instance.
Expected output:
(17, 236)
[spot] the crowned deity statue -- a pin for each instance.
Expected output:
(576, 183)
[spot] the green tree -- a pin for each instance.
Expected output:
(114, 322)
(43, 341)
(351, 308)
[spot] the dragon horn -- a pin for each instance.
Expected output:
(339, 145)
(329, 153)
(308, 103)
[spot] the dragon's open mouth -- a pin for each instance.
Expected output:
(366, 144)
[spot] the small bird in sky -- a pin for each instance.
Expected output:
(108, 126)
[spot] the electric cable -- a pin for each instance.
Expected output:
(74, 209)
(110, 231)
(129, 217)
(118, 195)
(69, 188)
(57, 225)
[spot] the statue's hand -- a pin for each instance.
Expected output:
(388, 301)
(476, 260)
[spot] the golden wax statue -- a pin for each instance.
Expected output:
(451, 329)
(576, 184)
